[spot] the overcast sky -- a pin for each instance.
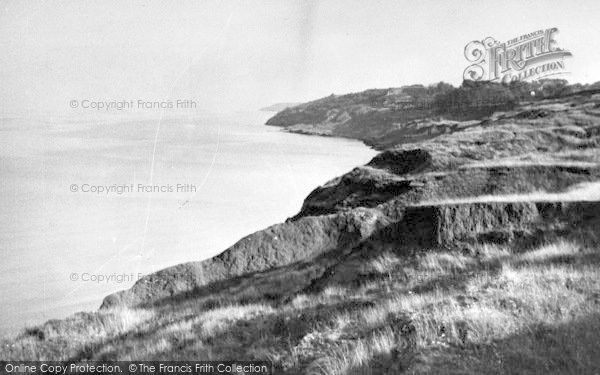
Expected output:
(239, 55)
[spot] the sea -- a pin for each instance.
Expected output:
(89, 204)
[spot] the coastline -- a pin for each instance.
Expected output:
(476, 231)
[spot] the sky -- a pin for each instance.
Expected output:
(242, 55)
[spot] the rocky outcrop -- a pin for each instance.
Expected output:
(277, 246)
(446, 225)
(382, 188)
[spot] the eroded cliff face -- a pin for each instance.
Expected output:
(279, 245)
(406, 199)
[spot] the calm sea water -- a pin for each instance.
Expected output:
(63, 250)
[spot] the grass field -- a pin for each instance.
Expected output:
(500, 311)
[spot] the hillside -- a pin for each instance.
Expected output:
(387, 117)
(469, 245)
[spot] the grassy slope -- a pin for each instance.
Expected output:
(501, 310)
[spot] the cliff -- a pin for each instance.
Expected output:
(524, 150)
